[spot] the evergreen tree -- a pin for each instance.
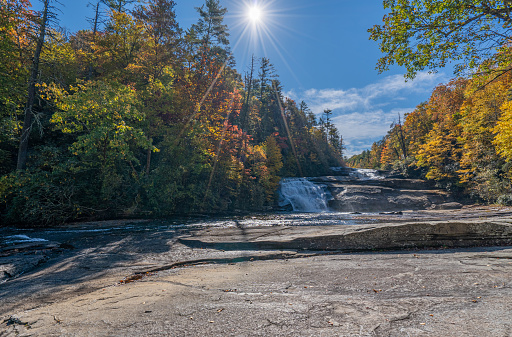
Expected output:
(119, 5)
(210, 34)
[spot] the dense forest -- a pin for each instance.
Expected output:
(138, 116)
(462, 136)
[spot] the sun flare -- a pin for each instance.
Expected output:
(255, 14)
(260, 25)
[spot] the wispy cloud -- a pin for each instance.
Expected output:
(363, 115)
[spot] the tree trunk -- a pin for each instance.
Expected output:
(27, 122)
(94, 31)
(401, 138)
(245, 117)
(148, 160)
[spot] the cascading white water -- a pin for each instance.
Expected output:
(366, 174)
(303, 195)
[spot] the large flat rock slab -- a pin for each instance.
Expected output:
(420, 293)
(434, 234)
(150, 279)
(18, 258)
(410, 184)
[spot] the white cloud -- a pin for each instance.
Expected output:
(363, 115)
(361, 125)
(393, 88)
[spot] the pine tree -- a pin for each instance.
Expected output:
(162, 35)
(119, 5)
(210, 34)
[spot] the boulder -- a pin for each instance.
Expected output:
(447, 205)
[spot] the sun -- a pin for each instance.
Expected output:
(259, 27)
(254, 14)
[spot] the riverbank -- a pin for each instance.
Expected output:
(117, 279)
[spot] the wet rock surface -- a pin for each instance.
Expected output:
(161, 279)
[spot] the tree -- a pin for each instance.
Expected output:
(269, 111)
(14, 41)
(399, 136)
(60, 64)
(326, 123)
(119, 46)
(503, 130)
(162, 37)
(157, 59)
(15, 22)
(95, 23)
(210, 29)
(268, 169)
(421, 34)
(248, 84)
(209, 36)
(105, 118)
(442, 149)
(34, 73)
(480, 113)
(310, 116)
(119, 5)
(416, 127)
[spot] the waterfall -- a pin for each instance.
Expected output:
(303, 195)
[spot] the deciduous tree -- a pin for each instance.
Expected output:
(427, 34)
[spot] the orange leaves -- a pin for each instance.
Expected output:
(386, 156)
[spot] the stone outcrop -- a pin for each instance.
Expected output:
(352, 191)
(258, 278)
(19, 258)
(429, 234)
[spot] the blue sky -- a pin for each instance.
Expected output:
(322, 54)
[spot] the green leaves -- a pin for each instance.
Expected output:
(426, 35)
(105, 119)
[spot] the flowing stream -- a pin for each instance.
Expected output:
(307, 206)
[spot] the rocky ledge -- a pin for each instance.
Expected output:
(353, 191)
(383, 236)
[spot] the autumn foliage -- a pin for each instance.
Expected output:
(461, 138)
(140, 117)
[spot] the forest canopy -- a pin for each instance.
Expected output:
(138, 116)
(428, 34)
(461, 138)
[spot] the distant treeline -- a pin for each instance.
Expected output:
(461, 138)
(140, 117)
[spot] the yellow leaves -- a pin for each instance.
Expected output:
(386, 155)
(440, 154)
(259, 154)
(503, 131)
